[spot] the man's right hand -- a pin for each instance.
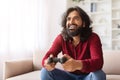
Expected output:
(49, 66)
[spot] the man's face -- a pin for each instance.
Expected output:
(74, 22)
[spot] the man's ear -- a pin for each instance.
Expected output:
(83, 24)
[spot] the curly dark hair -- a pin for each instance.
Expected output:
(85, 32)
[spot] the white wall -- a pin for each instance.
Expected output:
(56, 9)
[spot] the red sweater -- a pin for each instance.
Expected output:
(89, 52)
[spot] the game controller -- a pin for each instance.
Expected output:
(55, 60)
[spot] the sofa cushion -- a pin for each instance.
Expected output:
(13, 68)
(35, 75)
(111, 62)
(113, 77)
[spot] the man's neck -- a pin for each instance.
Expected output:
(76, 40)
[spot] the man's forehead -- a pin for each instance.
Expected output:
(73, 13)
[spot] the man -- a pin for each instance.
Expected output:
(80, 46)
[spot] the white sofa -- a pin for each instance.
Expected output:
(30, 69)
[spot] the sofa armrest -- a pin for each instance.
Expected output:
(14, 68)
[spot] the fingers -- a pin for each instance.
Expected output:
(49, 66)
(67, 56)
(49, 60)
(51, 55)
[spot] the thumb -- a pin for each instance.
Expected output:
(67, 56)
(51, 55)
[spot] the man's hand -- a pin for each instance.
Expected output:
(49, 66)
(71, 64)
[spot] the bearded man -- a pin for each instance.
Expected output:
(81, 47)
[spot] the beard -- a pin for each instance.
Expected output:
(69, 32)
(73, 30)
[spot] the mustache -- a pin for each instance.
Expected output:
(72, 26)
(77, 31)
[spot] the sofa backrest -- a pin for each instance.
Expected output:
(111, 62)
(37, 59)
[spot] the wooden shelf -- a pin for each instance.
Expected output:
(105, 15)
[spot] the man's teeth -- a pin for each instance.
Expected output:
(72, 27)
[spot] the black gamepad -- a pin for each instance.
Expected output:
(55, 60)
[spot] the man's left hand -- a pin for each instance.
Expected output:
(71, 64)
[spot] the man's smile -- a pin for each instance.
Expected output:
(72, 27)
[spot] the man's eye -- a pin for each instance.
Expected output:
(68, 19)
(77, 18)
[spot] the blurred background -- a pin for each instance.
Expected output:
(30, 26)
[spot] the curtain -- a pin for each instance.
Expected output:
(18, 27)
(27, 27)
(21, 29)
